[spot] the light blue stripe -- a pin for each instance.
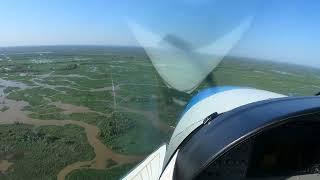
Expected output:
(206, 93)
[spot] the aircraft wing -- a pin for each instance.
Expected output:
(150, 168)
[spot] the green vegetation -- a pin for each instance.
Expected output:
(34, 96)
(116, 126)
(41, 152)
(4, 108)
(281, 78)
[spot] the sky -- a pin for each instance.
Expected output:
(283, 30)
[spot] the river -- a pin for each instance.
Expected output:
(102, 152)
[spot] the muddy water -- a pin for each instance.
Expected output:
(64, 76)
(108, 88)
(70, 108)
(5, 165)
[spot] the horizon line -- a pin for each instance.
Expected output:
(140, 47)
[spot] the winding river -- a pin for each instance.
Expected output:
(102, 153)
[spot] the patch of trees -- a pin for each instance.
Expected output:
(31, 136)
(115, 126)
(140, 99)
(71, 67)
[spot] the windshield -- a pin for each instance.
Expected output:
(88, 89)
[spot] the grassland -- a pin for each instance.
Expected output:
(282, 78)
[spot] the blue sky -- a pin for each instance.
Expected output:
(284, 30)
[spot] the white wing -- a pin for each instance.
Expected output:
(150, 168)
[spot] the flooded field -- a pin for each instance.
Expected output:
(105, 111)
(54, 93)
